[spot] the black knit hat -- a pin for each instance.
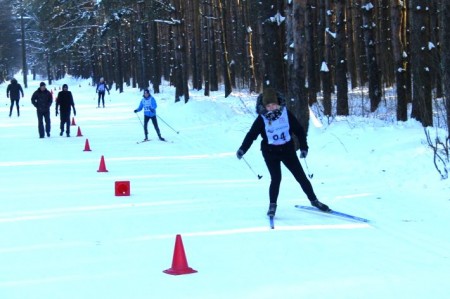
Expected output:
(269, 96)
(65, 86)
(42, 84)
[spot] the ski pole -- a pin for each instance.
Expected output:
(259, 176)
(178, 132)
(142, 124)
(307, 169)
(139, 119)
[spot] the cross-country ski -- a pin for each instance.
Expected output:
(142, 141)
(331, 212)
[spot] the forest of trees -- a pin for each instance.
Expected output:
(310, 50)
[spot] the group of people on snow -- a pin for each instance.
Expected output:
(274, 123)
(42, 100)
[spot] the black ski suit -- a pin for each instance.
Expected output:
(42, 100)
(13, 92)
(285, 153)
(65, 103)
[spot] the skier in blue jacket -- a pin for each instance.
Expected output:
(148, 103)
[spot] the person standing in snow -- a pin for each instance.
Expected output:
(42, 99)
(148, 103)
(65, 102)
(101, 89)
(13, 92)
(276, 125)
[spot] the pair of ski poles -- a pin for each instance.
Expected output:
(178, 132)
(310, 175)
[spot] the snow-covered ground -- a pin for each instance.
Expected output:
(65, 235)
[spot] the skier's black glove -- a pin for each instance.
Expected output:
(303, 153)
(74, 111)
(56, 112)
(239, 154)
(135, 111)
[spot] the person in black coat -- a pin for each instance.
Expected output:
(64, 101)
(276, 125)
(42, 99)
(13, 92)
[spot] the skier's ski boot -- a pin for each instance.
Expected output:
(272, 209)
(321, 206)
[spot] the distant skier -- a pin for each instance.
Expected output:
(148, 103)
(101, 89)
(276, 125)
(65, 102)
(42, 99)
(13, 92)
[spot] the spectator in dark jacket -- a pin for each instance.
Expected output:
(13, 92)
(42, 99)
(64, 101)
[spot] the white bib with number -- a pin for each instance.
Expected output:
(278, 130)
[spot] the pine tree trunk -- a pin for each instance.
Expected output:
(156, 57)
(249, 48)
(119, 81)
(271, 15)
(197, 80)
(223, 39)
(351, 58)
(445, 55)
(359, 49)
(310, 53)
(400, 64)
(206, 25)
(327, 61)
(297, 91)
(371, 57)
(341, 60)
(420, 60)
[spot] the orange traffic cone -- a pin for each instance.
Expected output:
(102, 167)
(73, 122)
(87, 148)
(79, 132)
(179, 262)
